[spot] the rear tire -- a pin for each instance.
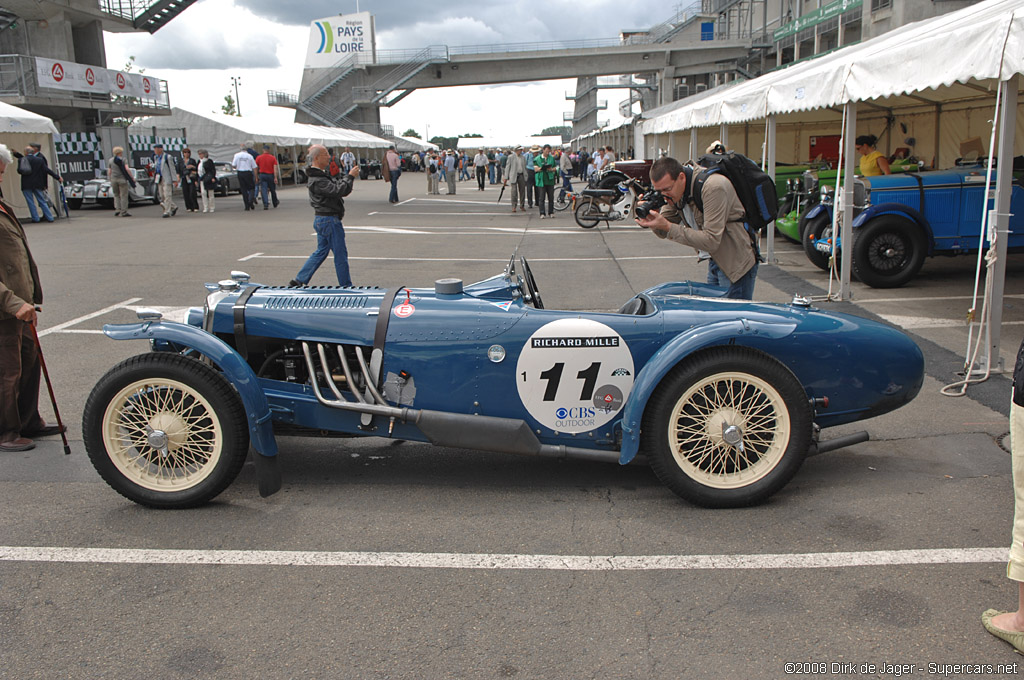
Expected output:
(584, 208)
(888, 251)
(727, 428)
(165, 431)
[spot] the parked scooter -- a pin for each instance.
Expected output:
(609, 205)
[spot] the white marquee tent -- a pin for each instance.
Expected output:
(938, 68)
(222, 134)
(17, 129)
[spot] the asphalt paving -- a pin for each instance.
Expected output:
(935, 477)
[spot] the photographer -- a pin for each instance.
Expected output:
(719, 231)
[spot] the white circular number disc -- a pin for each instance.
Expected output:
(574, 375)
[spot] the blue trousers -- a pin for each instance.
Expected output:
(38, 195)
(395, 174)
(267, 184)
(738, 290)
(330, 237)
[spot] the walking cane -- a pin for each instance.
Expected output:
(49, 388)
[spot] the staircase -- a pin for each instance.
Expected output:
(377, 92)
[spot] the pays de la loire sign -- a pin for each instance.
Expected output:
(339, 38)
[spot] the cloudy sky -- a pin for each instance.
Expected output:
(266, 46)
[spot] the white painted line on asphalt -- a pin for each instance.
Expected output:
(249, 257)
(864, 301)
(297, 558)
(105, 310)
(918, 322)
(408, 200)
(489, 259)
(460, 214)
(387, 230)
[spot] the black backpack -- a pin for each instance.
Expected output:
(753, 186)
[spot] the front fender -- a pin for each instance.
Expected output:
(670, 354)
(817, 210)
(238, 372)
(904, 211)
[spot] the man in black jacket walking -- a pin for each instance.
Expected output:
(326, 196)
(33, 182)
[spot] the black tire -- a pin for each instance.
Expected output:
(363, 174)
(582, 209)
(787, 204)
(206, 436)
(562, 201)
(106, 203)
(732, 387)
(888, 251)
(611, 180)
(75, 203)
(819, 226)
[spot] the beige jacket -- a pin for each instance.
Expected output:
(720, 229)
(19, 279)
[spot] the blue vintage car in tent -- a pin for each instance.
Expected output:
(724, 398)
(908, 217)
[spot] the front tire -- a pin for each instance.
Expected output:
(817, 227)
(75, 203)
(888, 251)
(584, 208)
(165, 431)
(727, 428)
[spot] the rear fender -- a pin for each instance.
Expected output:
(236, 370)
(904, 211)
(674, 351)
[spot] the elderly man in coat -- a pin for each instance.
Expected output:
(20, 292)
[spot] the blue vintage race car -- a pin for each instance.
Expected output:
(724, 398)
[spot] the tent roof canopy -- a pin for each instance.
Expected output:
(224, 128)
(979, 46)
(13, 119)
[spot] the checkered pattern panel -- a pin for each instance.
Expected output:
(147, 142)
(78, 143)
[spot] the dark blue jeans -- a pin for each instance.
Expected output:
(395, 174)
(739, 290)
(330, 237)
(268, 185)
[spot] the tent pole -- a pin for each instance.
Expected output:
(769, 160)
(693, 144)
(1004, 175)
(846, 254)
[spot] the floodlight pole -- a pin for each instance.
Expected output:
(238, 104)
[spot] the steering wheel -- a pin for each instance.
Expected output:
(532, 293)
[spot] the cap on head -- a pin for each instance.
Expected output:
(36, 145)
(158, 145)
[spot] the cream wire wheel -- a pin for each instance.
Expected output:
(162, 434)
(727, 428)
(165, 430)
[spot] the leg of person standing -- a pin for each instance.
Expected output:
(272, 186)
(204, 196)
(480, 172)
(19, 381)
(395, 174)
(317, 257)
(549, 193)
(451, 182)
(120, 191)
(531, 192)
(540, 200)
(336, 238)
(265, 180)
(167, 198)
(521, 184)
(30, 198)
(189, 192)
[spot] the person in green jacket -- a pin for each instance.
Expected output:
(546, 170)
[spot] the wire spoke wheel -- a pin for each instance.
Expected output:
(888, 251)
(162, 435)
(729, 430)
(165, 430)
(728, 427)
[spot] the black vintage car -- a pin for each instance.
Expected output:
(370, 167)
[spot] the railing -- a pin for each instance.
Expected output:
(276, 98)
(657, 32)
(18, 79)
(336, 73)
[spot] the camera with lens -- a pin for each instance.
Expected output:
(653, 201)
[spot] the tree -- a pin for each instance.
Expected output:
(229, 105)
(444, 142)
(556, 130)
(411, 133)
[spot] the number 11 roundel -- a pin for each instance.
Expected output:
(573, 375)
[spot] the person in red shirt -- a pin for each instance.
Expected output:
(266, 164)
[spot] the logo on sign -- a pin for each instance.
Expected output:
(326, 37)
(145, 85)
(403, 310)
(57, 72)
(90, 77)
(120, 80)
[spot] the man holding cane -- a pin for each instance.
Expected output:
(19, 357)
